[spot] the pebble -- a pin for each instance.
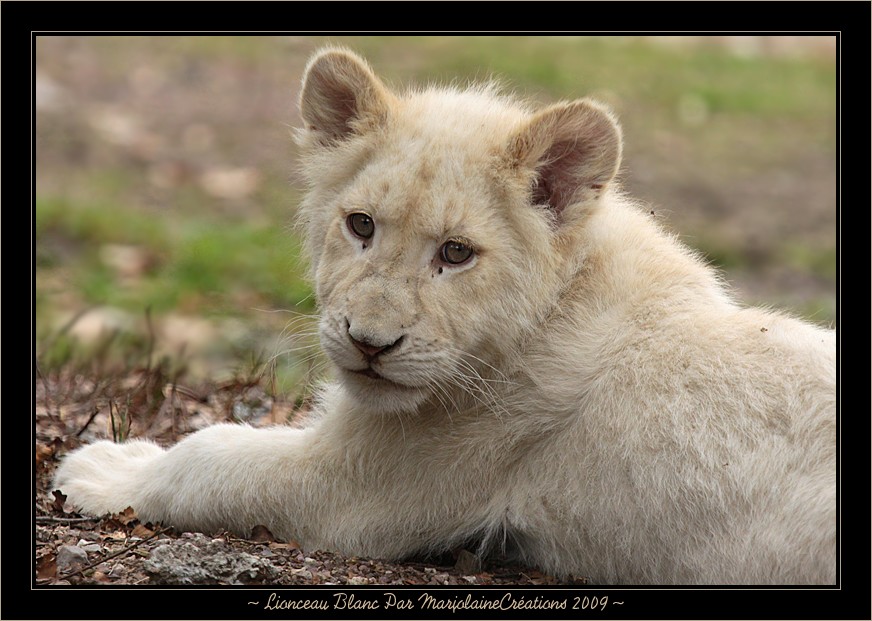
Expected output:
(117, 571)
(88, 545)
(71, 558)
(303, 573)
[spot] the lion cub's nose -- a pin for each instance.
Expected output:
(368, 347)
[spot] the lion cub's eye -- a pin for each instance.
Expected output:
(361, 225)
(454, 252)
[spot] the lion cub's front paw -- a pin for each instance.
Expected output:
(101, 478)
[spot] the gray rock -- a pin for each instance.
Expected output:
(302, 572)
(357, 580)
(200, 561)
(88, 546)
(117, 571)
(70, 558)
(467, 562)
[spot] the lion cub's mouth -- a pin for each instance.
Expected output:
(377, 378)
(371, 373)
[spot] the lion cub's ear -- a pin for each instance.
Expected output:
(341, 96)
(575, 149)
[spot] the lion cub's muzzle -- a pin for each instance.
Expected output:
(367, 347)
(370, 346)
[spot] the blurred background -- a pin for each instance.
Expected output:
(166, 184)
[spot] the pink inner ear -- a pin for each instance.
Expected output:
(558, 177)
(336, 108)
(341, 96)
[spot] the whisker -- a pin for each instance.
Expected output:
(465, 354)
(439, 391)
(480, 393)
(271, 311)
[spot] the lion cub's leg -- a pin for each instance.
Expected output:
(296, 482)
(226, 476)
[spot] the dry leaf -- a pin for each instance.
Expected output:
(43, 453)
(261, 534)
(290, 545)
(112, 523)
(46, 567)
(127, 516)
(141, 531)
(59, 500)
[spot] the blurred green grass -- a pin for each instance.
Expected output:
(196, 261)
(710, 135)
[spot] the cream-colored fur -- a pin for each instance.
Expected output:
(581, 392)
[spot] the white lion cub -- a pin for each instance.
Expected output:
(523, 358)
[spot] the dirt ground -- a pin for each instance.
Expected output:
(72, 549)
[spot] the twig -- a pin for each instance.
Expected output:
(236, 383)
(63, 330)
(151, 338)
(88, 422)
(173, 409)
(436, 566)
(506, 574)
(49, 518)
(48, 395)
(114, 554)
(112, 420)
(125, 420)
(188, 392)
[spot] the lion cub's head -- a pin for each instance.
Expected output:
(439, 223)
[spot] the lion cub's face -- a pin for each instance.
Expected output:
(433, 222)
(418, 272)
